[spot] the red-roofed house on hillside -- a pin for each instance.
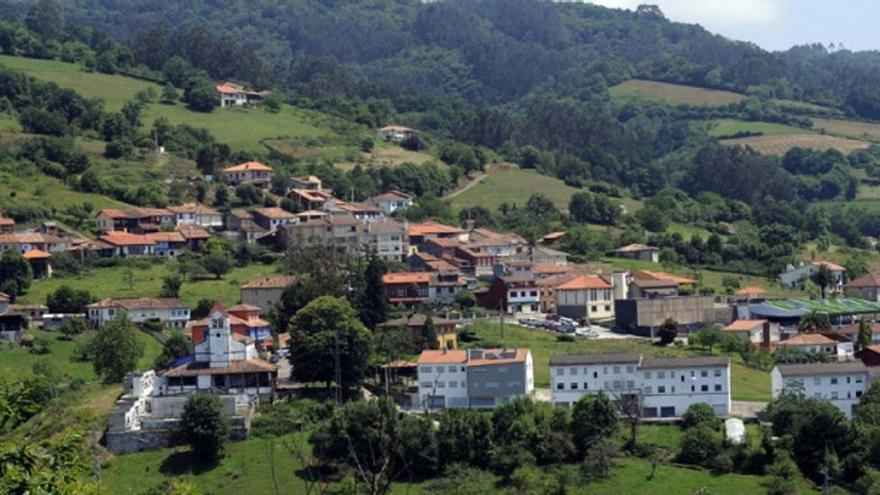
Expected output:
(135, 220)
(865, 287)
(244, 320)
(196, 214)
(232, 94)
(391, 201)
(395, 133)
(588, 297)
(273, 218)
(418, 287)
(761, 333)
(39, 261)
(169, 311)
(640, 252)
(7, 225)
(28, 241)
(254, 173)
(512, 294)
(170, 244)
(124, 244)
(420, 232)
(309, 199)
(265, 292)
(834, 346)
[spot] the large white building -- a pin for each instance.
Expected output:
(842, 383)
(171, 312)
(664, 387)
(473, 378)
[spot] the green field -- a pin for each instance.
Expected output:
(779, 144)
(514, 187)
(674, 94)
(240, 128)
(147, 282)
(849, 128)
(39, 190)
(746, 383)
(729, 127)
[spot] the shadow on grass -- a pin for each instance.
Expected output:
(186, 462)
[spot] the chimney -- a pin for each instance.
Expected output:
(765, 337)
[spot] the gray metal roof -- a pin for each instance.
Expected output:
(684, 362)
(811, 369)
(597, 358)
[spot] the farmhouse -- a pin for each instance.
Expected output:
(473, 378)
(416, 328)
(232, 94)
(123, 244)
(639, 252)
(395, 133)
(830, 345)
(794, 277)
(664, 387)
(865, 287)
(842, 383)
(391, 201)
(39, 261)
(761, 333)
(196, 214)
(254, 173)
(134, 220)
(7, 225)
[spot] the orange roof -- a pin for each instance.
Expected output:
(549, 269)
(269, 283)
(460, 356)
(431, 227)
(118, 238)
(743, 325)
(274, 212)
(241, 167)
(869, 280)
(552, 236)
(750, 290)
(407, 278)
(229, 88)
(6, 221)
(635, 248)
(396, 128)
(585, 282)
(808, 339)
(831, 266)
(663, 276)
(165, 237)
(36, 254)
(193, 232)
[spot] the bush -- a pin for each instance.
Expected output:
(721, 464)
(700, 414)
(565, 338)
(700, 444)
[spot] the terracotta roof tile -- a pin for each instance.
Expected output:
(242, 167)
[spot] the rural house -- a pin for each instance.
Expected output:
(265, 292)
(254, 173)
(169, 311)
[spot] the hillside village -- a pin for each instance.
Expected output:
(480, 263)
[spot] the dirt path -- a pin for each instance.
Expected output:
(467, 186)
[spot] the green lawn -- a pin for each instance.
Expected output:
(514, 187)
(746, 383)
(673, 94)
(147, 282)
(729, 127)
(39, 190)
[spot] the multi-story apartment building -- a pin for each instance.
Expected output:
(384, 237)
(513, 294)
(587, 296)
(473, 378)
(661, 387)
(254, 173)
(841, 383)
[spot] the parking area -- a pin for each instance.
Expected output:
(567, 326)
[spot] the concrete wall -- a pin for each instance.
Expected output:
(503, 380)
(640, 315)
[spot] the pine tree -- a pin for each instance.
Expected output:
(372, 305)
(866, 335)
(432, 340)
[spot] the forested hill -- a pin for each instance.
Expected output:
(486, 51)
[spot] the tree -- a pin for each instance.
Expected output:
(429, 332)
(372, 304)
(781, 476)
(67, 300)
(823, 277)
(202, 309)
(700, 414)
(15, 273)
(668, 331)
(378, 443)
(652, 219)
(814, 322)
(465, 299)
(866, 334)
(45, 19)
(176, 347)
(599, 458)
(204, 426)
(700, 444)
(116, 349)
(320, 328)
(169, 94)
(464, 436)
(856, 267)
(217, 264)
(73, 326)
(200, 95)
(593, 418)
(171, 286)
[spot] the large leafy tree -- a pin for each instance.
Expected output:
(176, 347)
(322, 328)
(15, 273)
(814, 322)
(204, 426)
(823, 277)
(593, 418)
(68, 300)
(116, 349)
(464, 436)
(377, 443)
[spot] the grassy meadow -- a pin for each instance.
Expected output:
(779, 144)
(514, 187)
(674, 94)
(728, 127)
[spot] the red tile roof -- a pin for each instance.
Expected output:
(269, 283)
(118, 238)
(431, 227)
(635, 248)
(870, 280)
(460, 356)
(242, 167)
(406, 278)
(808, 339)
(743, 325)
(246, 366)
(585, 282)
(165, 237)
(36, 254)
(274, 212)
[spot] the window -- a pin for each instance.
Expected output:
(858, 393)
(560, 371)
(426, 369)
(572, 371)
(616, 370)
(704, 388)
(647, 390)
(704, 373)
(595, 374)
(492, 384)
(661, 375)
(834, 380)
(630, 385)
(586, 386)
(817, 381)
(717, 372)
(629, 369)
(453, 384)
(718, 387)
(560, 386)
(848, 380)
(834, 394)
(451, 369)
(607, 308)
(593, 309)
(441, 384)
(573, 386)
(425, 384)
(647, 375)
(858, 379)
(661, 389)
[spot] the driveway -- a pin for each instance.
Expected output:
(745, 409)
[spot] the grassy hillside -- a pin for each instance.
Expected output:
(513, 186)
(728, 127)
(674, 94)
(242, 129)
(779, 144)
(849, 128)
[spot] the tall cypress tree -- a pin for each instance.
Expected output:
(372, 305)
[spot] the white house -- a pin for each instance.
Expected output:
(758, 332)
(833, 346)
(794, 277)
(254, 173)
(395, 132)
(171, 312)
(473, 378)
(196, 214)
(391, 201)
(232, 94)
(586, 296)
(840, 383)
(664, 387)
